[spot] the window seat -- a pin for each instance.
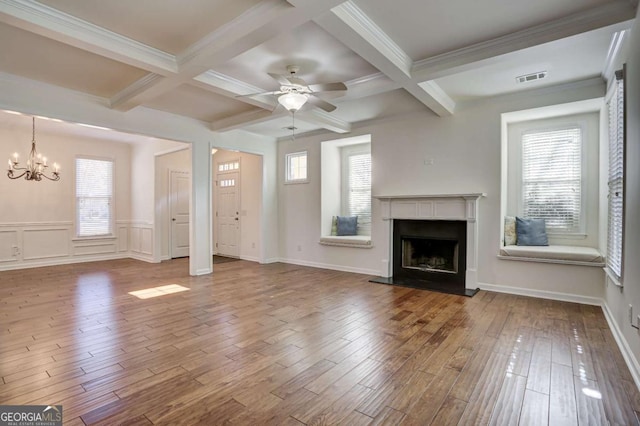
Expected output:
(359, 241)
(570, 255)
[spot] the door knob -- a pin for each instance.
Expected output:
(173, 219)
(237, 218)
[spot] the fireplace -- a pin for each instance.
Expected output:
(430, 253)
(433, 241)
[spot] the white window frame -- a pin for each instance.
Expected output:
(580, 230)
(288, 167)
(110, 233)
(617, 141)
(364, 227)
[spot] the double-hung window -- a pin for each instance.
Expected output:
(552, 178)
(356, 185)
(94, 197)
(615, 212)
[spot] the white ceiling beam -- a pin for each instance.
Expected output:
(46, 21)
(262, 22)
(245, 119)
(323, 119)
(485, 52)
(357, 31)
(230, 87)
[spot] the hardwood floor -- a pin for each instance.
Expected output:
(289, 345)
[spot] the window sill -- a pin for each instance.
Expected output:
(355, 241)
(97, 237)
(295, 182)
(565, 255)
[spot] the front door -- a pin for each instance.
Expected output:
(179, 210)
(228, 214)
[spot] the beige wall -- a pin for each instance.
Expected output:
(38, 218)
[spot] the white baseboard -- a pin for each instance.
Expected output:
(250, 258)
(542, 294)
(61, 261)
(627, 353)
(271, 260)
(143, 257)
(331, 267)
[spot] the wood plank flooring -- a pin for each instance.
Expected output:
(288, 345)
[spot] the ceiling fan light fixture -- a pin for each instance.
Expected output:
(292, 101)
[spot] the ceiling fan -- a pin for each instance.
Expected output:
(294, 92)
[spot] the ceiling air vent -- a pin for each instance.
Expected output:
(531, 77)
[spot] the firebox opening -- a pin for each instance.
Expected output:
(430, 254)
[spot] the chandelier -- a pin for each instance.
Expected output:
(36, 164)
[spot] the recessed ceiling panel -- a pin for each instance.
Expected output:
(168, 25)
(571, 59)
(427, 28)
(38, 58)
(199, 104)
(319, 55)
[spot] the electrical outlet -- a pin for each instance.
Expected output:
(630, 314)
(638, 322)
(253, 245)
(299, 248)
(16, 250)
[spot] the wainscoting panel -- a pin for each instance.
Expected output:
(95, 248)
(45, 243)
(141, 243)
(9, 245)
(123, 238)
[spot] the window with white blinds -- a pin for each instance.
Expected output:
(357, 186)
(552, 178)
(94, 197)
(616, 179)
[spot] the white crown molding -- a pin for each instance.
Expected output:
(612, 54)
(41, 19)
(355, 18)
(230, 87)
(463, 59)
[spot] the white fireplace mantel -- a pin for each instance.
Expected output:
(462, 207)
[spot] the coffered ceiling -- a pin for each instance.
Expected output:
(195, 58)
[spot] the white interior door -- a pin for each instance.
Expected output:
(179, 211)
(228, 215)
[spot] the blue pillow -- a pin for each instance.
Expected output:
(347, 225)
(531, 232)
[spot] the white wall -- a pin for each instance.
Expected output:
(250, 201)
(465, 149)
(38, 218)
(143, 181)
(618, 300)
(165, 163)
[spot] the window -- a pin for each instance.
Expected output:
(356, 185)
(345, 190)
(552, 178)
(94, 197)
(616, 177)
(228, 166)
(296, 167)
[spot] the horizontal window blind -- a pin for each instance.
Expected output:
(552, 178)
(359, 201)
(94, 194)
(616, 180)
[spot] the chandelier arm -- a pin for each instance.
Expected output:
(11, 176)
(55, 177)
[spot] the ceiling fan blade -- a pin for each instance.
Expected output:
(275, 92)
(327, 87)
(315, 101)
(280, 79)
